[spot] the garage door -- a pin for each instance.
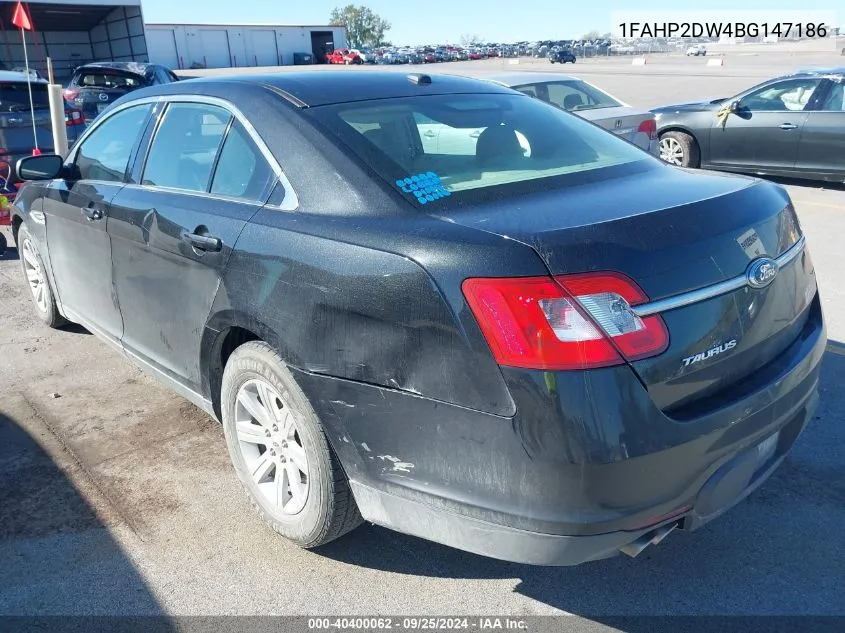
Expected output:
(263, 48)
(215, 48)
(162, 48)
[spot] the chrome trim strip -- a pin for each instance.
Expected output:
(724, 287)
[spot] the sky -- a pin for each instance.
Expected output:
(444, 21)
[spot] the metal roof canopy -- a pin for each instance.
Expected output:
(47, 16)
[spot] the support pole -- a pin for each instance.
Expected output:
(57, 119)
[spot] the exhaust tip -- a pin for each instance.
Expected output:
(653, 537)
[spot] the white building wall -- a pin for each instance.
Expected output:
(222, 46)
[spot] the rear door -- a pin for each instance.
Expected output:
(822, 146)
(77, 211)
(172, 230)
(765, 132)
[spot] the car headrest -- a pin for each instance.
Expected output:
(570, 102)
(498, 141)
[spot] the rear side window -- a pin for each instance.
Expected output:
(242, 171)
(104, 154)
(185, 145)
(14, 96)
(482, 140)
(109, 80)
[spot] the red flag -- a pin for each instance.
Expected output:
(20, 18)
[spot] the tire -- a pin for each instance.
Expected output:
(35, 273)
(688, 154)
(328, 510)
(3, 244)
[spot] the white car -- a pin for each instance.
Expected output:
(588, 102)
(697, 49)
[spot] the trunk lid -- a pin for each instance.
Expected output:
(673, 232)
(16, 136)
(16, 131)
(622, 121)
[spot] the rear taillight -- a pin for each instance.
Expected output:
(569, 322)
(73, 117)
(70, 93)
(649, 127)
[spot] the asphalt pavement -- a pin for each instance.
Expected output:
(117, 497)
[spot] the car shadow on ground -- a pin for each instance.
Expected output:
(778, 552)
(806, 184)
(58, 556)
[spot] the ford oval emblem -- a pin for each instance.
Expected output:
(761, 272)
(103, 96)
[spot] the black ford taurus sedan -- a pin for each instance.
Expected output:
(791, 126)
(540, 344)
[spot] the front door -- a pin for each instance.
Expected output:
(822, 149)
(172, 235)
(765, 131)
(77, 215)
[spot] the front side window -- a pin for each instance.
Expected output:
(790, 95)
(482, 140)
(185, 145)
(104, 154)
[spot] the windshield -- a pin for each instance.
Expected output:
(14, 96)
(476, 141)
(570, 95)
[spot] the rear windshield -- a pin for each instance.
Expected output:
(109, 80)
(570, 95)
(464, 142)
(14, 96)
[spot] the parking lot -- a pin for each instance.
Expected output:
(119, 497)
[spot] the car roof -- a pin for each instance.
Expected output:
(317, 88)
(521, 79)
(827, 72)
(11, 75)
(137, 68)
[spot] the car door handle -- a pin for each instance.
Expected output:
(429, 134)
(787, 126)
(93, 213)
(204, 242)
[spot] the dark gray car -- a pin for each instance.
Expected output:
(544, 346)
(789, 126)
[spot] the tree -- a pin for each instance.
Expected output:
(591, 35)
(363, 26)
(468, 39)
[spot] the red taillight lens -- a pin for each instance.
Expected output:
(70, 93)
(649, 127)
(569, 322)
(73, 117)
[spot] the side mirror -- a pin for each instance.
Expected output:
(43, 167)
(735, 107)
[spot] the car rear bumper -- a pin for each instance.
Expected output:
(587, 468)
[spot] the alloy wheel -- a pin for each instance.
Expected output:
(671, 151)
(34, 275)
(271, 446)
